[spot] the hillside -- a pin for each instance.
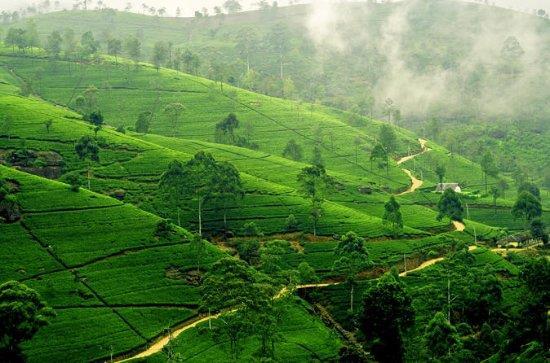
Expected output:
(100, 264)
(474, 88)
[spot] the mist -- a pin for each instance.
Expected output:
(479, 79)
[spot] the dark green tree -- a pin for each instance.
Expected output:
(143, 122)
(387, 314)
(352, 259)
(22, 313)
(393, 216)
(388, 139)
(174, 112)
(293, 150)
(527, 206)
(449, 205)
(227, 187)
(87, 148)
(160, 53)
(314, 181)
(440, 171)
(441, 338)
(488, 167)
(538, 230)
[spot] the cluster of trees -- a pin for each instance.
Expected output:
(226, 129)
(9, 207)
(202, 179)
(528, 207)
(23, 313)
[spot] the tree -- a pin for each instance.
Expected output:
(96, 118)
(194, 179)
(160, 53)
(352, 259)
(225, 129)
(69, 43)
(530, 188)
(74, 181)
(53, 44)
(232, 6)
(174, 112)
(227, 187)
(133, 48)
(293, 150)
(114, 47)
(527, 206)
(387, 314)
(538, 230)
(488, 167)
(143, 122)
(247, 43)
(89, 46)
(388, 139)
(198, 248)
(317, 158)
(389, 108)
(495, 194)
(441, 338)
(31, 35)
(313, 182)
(440, 171)
(357, 141)
(392, 216)
(9, 207)
(7, 125)
(449, 205)
(379, 153)
(22, 313)
(15, 38)
(249, 251)
(87, 148)
(48, 123)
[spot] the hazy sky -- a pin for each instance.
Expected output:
(189, 6)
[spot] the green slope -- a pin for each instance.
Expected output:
(100, 265)
(135, 166)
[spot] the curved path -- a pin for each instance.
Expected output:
(159, 344)
(415, 183)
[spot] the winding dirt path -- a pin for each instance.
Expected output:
(415, 183)
(164, 340)
(459, 226)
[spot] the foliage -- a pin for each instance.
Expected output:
(23, 313)
(441, 337)
(527, 206)
(393, 216)
(387, 314)
(293, 150)
(449, 205)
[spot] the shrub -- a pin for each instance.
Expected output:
(74, 181)
(291, 223)
(250, 229)
(121, 129)
(164, 228)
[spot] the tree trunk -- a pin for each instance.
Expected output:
(351, 298)
(179, 220)
(200, 216)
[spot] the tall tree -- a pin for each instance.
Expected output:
(488, 167)
(174, 112)
(527, 206)
(194, 179)
(228, 187)
(133, 48)
(232, 6)
(387, 314)
(143, 122)
(388, 139)
(293, 150)
(352, 259)
(440, 171)
(313, 182)
(449, 205)
(89, 46)
(22, 312)
(53, 44)
(392, 216)
(441, 338)
(114, 47)
(87, 148)
(379, 153)
(495, 194)
(160, 53)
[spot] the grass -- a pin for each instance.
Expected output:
(100, 266)
(135, 165)
(304, 338)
